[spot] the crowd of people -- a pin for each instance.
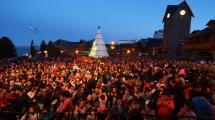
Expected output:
(122, 87)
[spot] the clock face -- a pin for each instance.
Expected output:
(168, 15)
(182, 12)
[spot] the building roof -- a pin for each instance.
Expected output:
(184, 3)
(61, 41)
(204, 31)
(211, 22)
(195, 31)
(172, 9)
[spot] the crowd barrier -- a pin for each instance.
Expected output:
(93, 116)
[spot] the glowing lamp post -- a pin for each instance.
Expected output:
(76, 52)
(112, 45)
(128, 51)
(46, 53)
(61, 52)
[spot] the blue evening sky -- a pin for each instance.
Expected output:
(78, 19)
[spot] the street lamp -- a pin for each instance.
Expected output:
(46, 53)
(128, 51)
(112, 45)
(76, 52)
(61, 51)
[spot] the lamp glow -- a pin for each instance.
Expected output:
(128, 51)
(182, 12)
(112, 47)
(76, 52)
(61, 51)
(168, 15)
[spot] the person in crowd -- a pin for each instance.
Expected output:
(165, 107)
(133, 86)
(30, 114)
(102, 103)
(80, 110)
(66, 103)
(187, 112)
(202, 107)
(22, 101)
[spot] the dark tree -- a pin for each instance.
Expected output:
(43, 46)
(52, 50)
(7, 48)
(82, 41)
(33, 51)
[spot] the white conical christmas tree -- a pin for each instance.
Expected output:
(98, 49)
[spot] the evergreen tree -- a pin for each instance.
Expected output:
(43, 46)
(82, 41)
(7, 48)
(33, 51)
(52, 51)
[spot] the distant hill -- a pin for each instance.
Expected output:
(65, 42)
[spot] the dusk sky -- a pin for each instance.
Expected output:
(78, 19)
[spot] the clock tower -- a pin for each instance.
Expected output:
(177, 21)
